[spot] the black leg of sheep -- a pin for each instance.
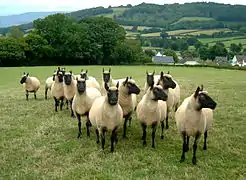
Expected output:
(88, 125)
(194, 148)
(184, 147)
(205, 140)
(72, 114)
(27, 94)
(56, 103)
(154, 125)
(187, 144)
(113, 136)
(162, 129)
(45, 93)
(144, 126)
(97, 133)
(79, 125)
(61, 104)
(167, 126)
(127, 117)
(103, 138)
(35, 96)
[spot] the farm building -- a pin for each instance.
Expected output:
(191, 63)
(221, 60)
(162, 59)
(238, 60)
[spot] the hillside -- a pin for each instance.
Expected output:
(199, 15)
(24, 18)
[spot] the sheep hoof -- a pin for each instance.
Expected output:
(162, 136)
(167, 126)
(144, 143)
(153, 146)
(182, 159)
(98, 142)
(187, 149)
(194, 160)
(204, 148)
(79, 136)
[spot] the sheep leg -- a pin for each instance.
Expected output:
(79, 124)
(130, 120)
(70, 102)
(162, 129)
(154, 125)
(144, 126)
(97, 133)
(67, 103)
(194, 148)
(45, 93)
(56, 104)
(103, 138)
(187, 144)
(184, 147)
(116, 138)
(35, 96)
(27, 94)
(167, 126)
(113, 139)
(61, 105)
(124, 126)
(205, 140)
(88, 125)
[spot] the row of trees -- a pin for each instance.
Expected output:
(60, 39)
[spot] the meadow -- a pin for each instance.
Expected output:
(39, 143)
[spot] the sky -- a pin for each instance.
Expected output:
(9, 7)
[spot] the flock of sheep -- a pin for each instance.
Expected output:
(105, 106)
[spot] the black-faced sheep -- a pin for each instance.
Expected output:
(193, 118)
(151, 110)
(82, 102)
(106, 114)
(31, 84)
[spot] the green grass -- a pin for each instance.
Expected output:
(193, 19)
(39, 143)
(116, 11)
(151, 34)
(208, 31)
(181, 31)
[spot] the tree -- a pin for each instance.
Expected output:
(204, 53)
(12, 51)
(15, 32)
(169, 52)
(197, 45)
(235, 48)
(149, 52)
(164, 34)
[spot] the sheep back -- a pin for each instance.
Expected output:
(32, 84)
(69, 90)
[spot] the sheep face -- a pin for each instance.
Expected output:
(24, 77)
(106, 75)
(166, 81)
(59, 76)
(159, 94)
(81, 85)
(63, 70)
(132, 88)
(68, 78)
(83, 74)
(204, 100)
(150, 78)
(112, 94)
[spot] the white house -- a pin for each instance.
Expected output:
(191, 63)
(238, 61)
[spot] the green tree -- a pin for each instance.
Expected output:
(236, 48)
(149, 52)
(12, 51)
(164, 34)
(15, 32)
(170, 52)
(204, 53)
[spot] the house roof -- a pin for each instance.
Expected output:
(163, 59)
(240, 58)
(221, 60)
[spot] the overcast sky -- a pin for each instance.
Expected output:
(8, 7)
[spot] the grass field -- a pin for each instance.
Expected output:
(227, 41)
(193, 19)
(207, 31)
(39, 143)
(116, 11)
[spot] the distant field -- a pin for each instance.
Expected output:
(208, 31)
(116, 11)
(182, 31)
(39, 143)
(151, 34)
(141, 28)
(193, 19)
(210, 40)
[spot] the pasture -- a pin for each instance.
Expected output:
(39, 143)
(184, 19)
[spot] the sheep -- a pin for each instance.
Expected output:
(57, 90)
(193, 118)
(82, 102)
(168, 84)
(126, 90)
(31, 84)
(151, 110)
(48, 83)
(106, 114)
(69, 86)
(90, 81)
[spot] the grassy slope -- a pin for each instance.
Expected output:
(193, 19)
(37, 143)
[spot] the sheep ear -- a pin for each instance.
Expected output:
(168, 72)
(201, 87)
(71, 72)
(117, 85)
(106, 86)
(147, 72)
(197, 92)
(82, 70)
(24, 73)
(153, 72)
(109, 70)
(130, 77)
(103, 70)
(27, 74)
(58, 69)
(86, 71)
(77, 78)
(126, 80)
(162, 73)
